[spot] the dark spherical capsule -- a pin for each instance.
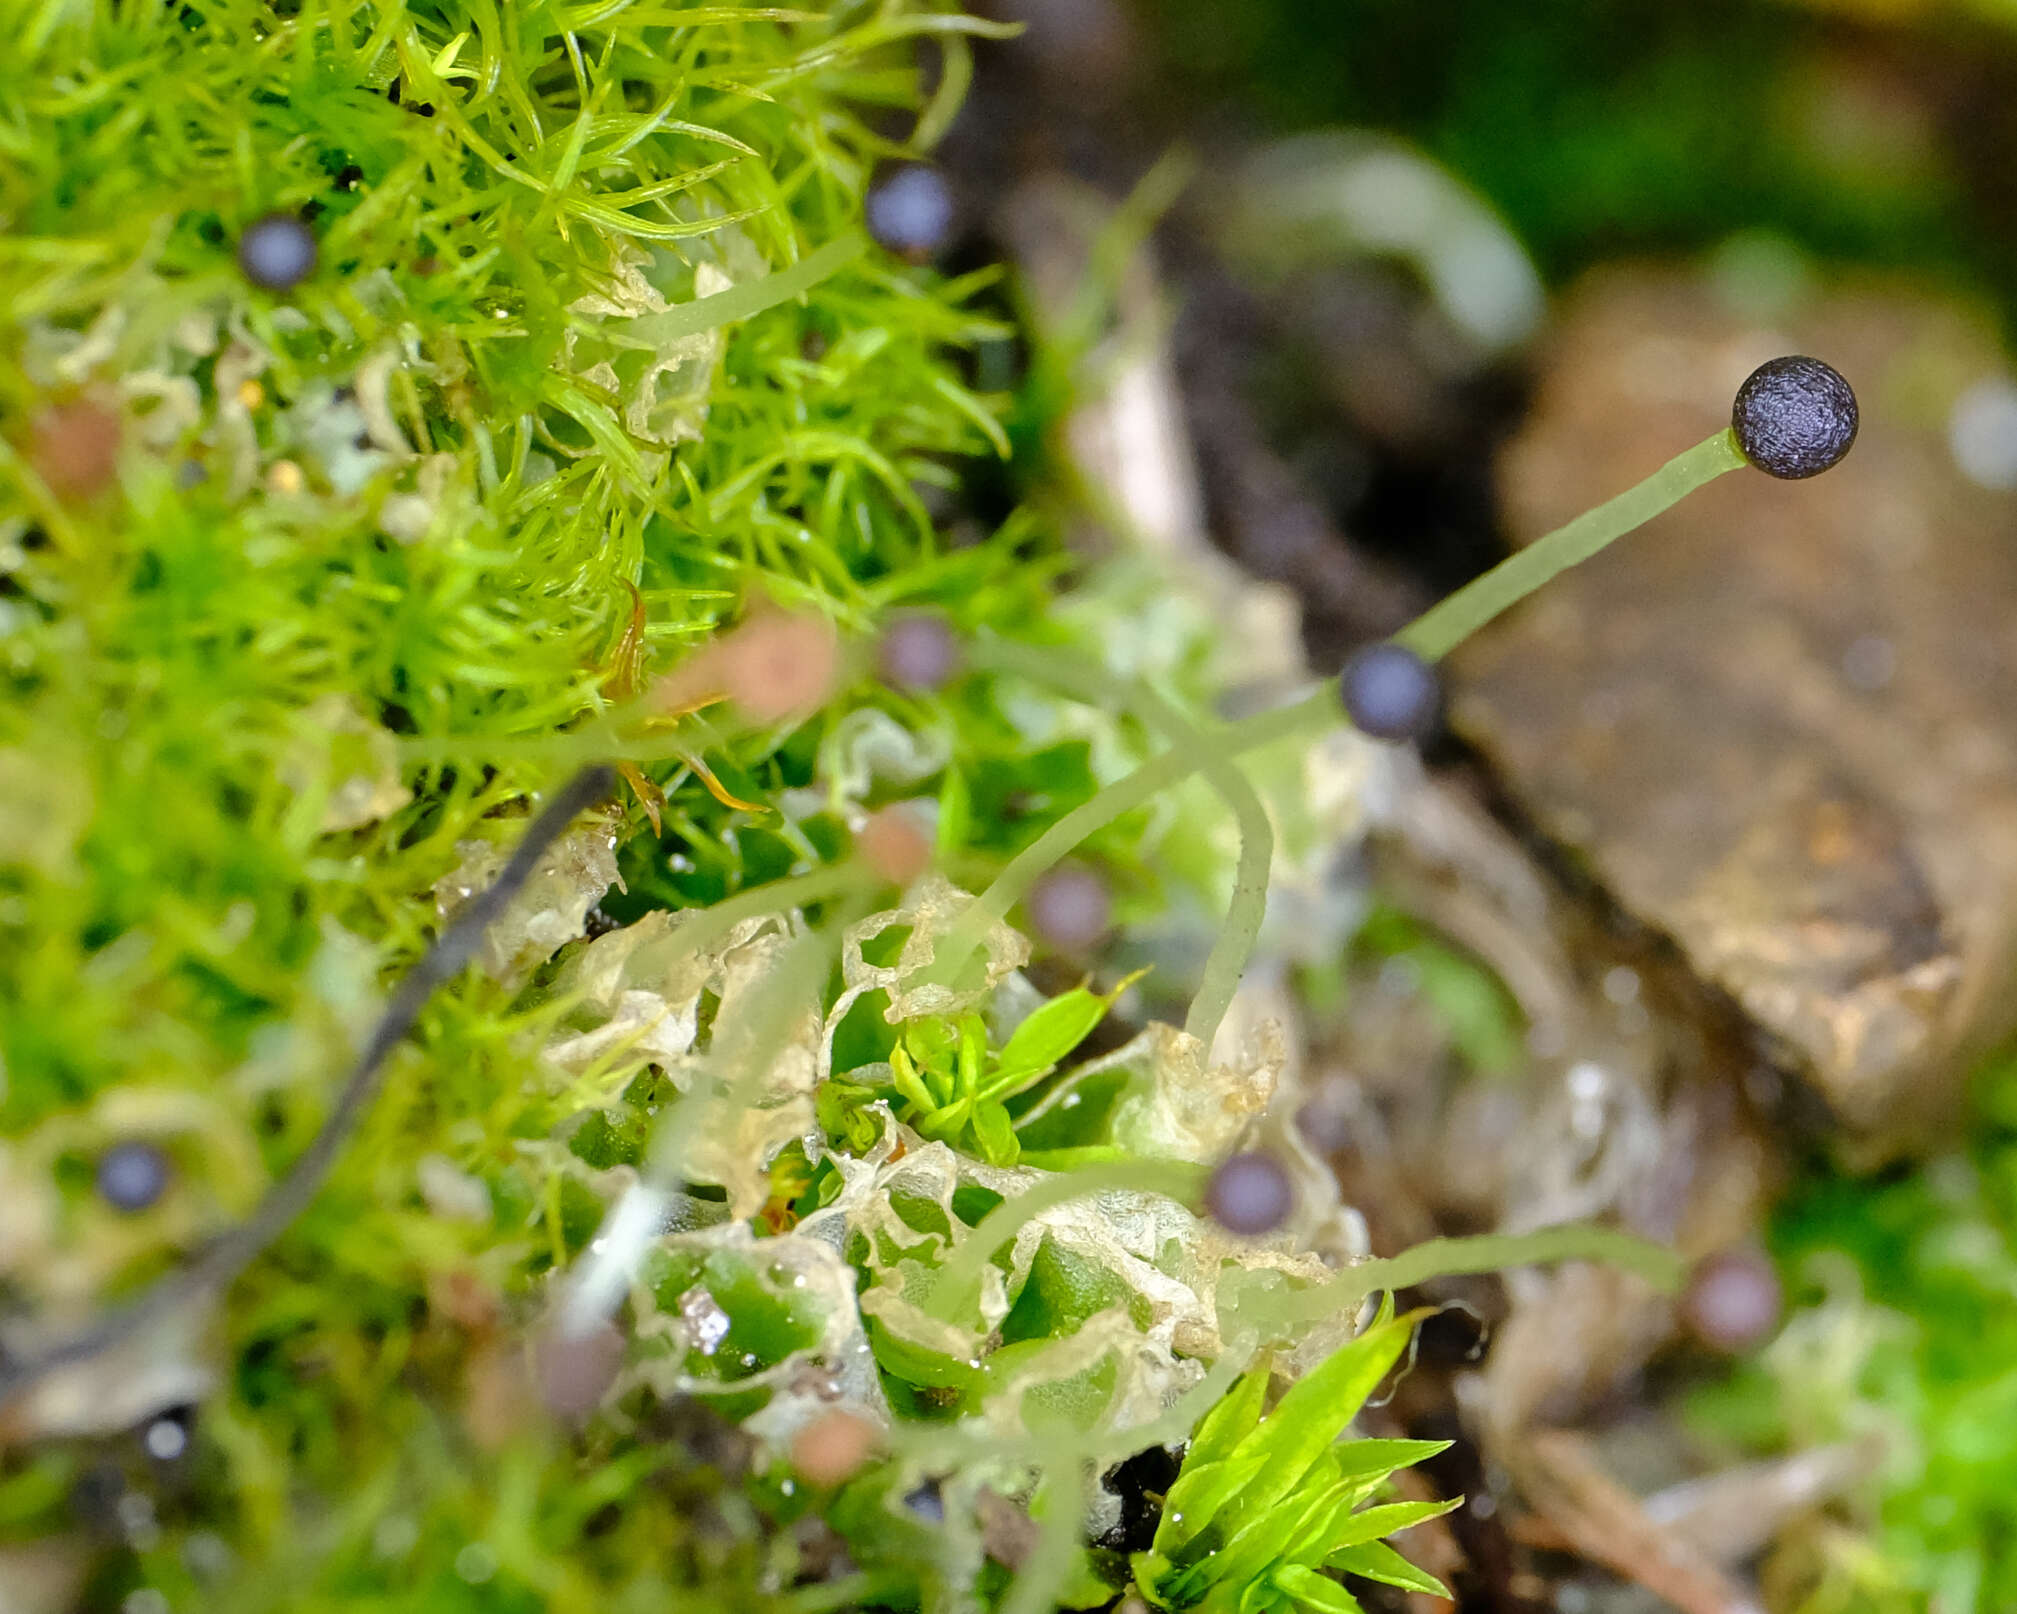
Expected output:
(1391, 693)
(1733, 1300)
(917, 652)
(1794, 417)
(911, 212)
(577, 1368)
(1070, 908)
(1250, 1194)
(132, 1176)
(278, 252)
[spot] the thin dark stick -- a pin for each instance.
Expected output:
(234, 1251)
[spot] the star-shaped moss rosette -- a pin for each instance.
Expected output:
(1271, 1507)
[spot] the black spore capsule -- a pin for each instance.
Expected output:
(1733, 1300)
(1391, 693)
(132, 1176)
(277, 252)
(1250, 1194)
(1070, 908)
(1794, 417)
(911, 212)
(917, 652)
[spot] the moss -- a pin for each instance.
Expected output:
(1906, 1325)
(362, 550)
(312, 590)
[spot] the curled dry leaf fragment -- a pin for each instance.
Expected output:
(929, 911)
(352, 759)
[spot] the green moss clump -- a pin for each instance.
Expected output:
(310, 591)
(1906, 1326)
(297, 591)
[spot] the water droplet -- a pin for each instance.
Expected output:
(394, 1536)
(166, 1439)
(1982, 433)
(207, 1556)
(476, 1563)
(137, 1521)
(706, 1322)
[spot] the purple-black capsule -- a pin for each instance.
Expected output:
(132, 1176)
(1733, 1300)
(1794, 417)
(277, 252)
(1070, 908)
(911, 212)
(1250, 1194)
(1391, 693)
(918, 652)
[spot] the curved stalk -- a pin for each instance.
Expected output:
(1313, 715)
(1444, 626)
(1234, 945)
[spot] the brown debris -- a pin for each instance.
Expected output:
(1008, 1534)
(74, 447)
(833, 1447)
(1583, 1509)
(894, 844)
(1733, 1515)
(1773, 725)
(774, 665)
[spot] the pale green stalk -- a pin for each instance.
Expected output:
(959, 1278)
(1049, 1566)
(1444, 626)
(1306, 718)
(1484, 1252)
(1234, 945)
